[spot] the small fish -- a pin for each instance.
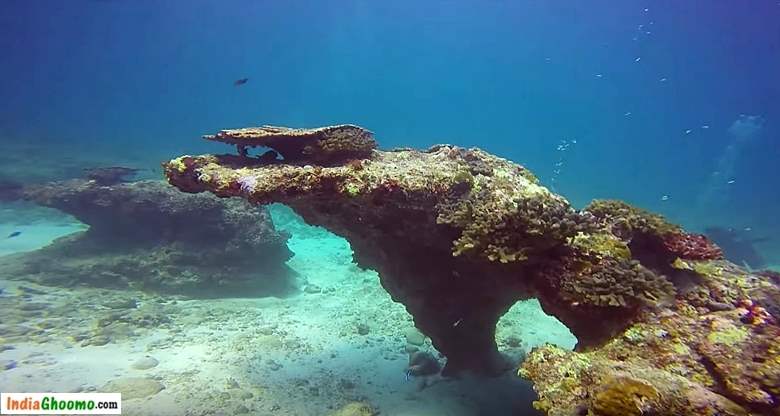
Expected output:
(14, 234)
(665, 198)
(408, 375)
(705, 126)
(241, 81)
(731, 181)
(637, 59)
(688, 131)
(663, 79)
(457, 322)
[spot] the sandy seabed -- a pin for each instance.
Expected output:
(340, 340)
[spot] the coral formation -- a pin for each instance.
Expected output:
(142, 234)
(625, 220)
(323, 145)
(692, 246)
(652, 231)
(459, 235)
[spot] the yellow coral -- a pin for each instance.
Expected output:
(729, 335)
(601, 244)
(707, 268)
(624, 396)
(178, 164)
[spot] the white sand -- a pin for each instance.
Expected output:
(296, 356)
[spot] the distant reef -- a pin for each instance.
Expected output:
(149, 236)
(665, 325)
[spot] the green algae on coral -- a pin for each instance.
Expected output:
(730, 335)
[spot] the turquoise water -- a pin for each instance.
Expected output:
(671, 105)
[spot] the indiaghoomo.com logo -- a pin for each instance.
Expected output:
(60, 403)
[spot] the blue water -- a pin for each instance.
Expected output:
(673, 105)
(647, 89)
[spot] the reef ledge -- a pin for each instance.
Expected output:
(664, 325)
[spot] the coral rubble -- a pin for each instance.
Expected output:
(147, 235)
(664, 325)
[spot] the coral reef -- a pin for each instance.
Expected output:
(456, 292)
(322, 145)
(458, 235)
(147, 235)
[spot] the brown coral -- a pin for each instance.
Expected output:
(323, 145)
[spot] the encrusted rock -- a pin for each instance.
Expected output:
(133, 387)
(414, 337)
(150, 236)
(145, 363)
(423, 364)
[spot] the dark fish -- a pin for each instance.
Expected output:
(241, 81)
(14, 234)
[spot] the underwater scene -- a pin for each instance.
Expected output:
(406, 208)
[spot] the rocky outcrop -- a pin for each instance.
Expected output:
(459, 235)
(402, 213)
(148, 235)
